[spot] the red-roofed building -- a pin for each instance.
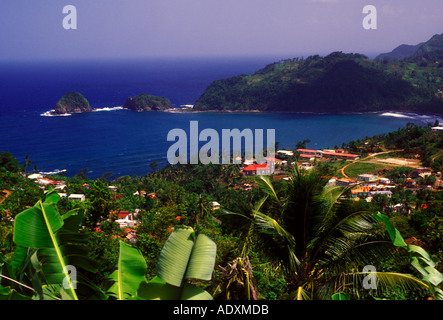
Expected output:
(307, 156)
(317, 153)
(257, 169)
(122, 214)
(340, 155)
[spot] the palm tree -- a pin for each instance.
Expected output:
(324, 243)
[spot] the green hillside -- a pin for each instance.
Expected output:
(146, 102)
(72, 102)
(338, 82)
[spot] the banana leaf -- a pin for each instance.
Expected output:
(184, 256)
(157, 289)
(129, 274)
(420, 258)
(55, 242)
(339, 296)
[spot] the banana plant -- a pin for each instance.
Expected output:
(55, 249)
(184, 257)
(420, 258)
(130, 272)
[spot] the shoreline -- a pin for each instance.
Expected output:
(407, 113)
(388, 112)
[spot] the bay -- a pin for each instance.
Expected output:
(125, 142)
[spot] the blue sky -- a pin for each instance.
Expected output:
(32, 30)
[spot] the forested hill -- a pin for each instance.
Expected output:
(425, 52)
(338, 82)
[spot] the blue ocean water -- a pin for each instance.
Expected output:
(125, 142)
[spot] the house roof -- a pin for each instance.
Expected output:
(347, 155)
(255, 167)
(361, 189)
(123, 214)
(307, 150)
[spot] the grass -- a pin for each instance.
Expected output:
(354, 169)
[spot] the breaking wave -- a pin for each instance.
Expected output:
(51, 113)
(56, 171)
(396, 115)
(108, 109)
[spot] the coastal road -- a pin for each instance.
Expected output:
(7, 193)
(342, 170)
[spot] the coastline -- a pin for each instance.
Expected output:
(384, 112)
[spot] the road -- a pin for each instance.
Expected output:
(342, 170)
(7, 194)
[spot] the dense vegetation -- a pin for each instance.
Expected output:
(430, 50)
(336, 83)
(296, 239)
(72, 102)
(146, 102)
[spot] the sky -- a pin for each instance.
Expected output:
(119, 29)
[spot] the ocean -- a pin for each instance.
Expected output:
(123, 142)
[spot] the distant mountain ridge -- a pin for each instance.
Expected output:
(429, 50)
(401, 52)
(339, 82)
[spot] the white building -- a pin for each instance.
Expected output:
(215, 205)
(367, 177)
(74, 196)
(127, 221)
(285, 153)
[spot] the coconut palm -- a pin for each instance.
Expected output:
(324, 243)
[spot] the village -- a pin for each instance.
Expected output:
(363, 186)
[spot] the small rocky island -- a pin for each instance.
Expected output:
(147, 102)
(72, 102)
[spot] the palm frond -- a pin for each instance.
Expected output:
(268, 188)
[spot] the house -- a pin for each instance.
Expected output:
(272, 160)
(285, 153)
(257, 169)
(386, 193)
(35, 176)
(316, 153)
(343, 156)
(305, 166)
(80, 197)
(421, 173)
(361, 192)
(437, 129)
(384, 181)
(345, 182)
(367, 177)
(307, 157)
(131, 235)
(215, 205)
(126, 219)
